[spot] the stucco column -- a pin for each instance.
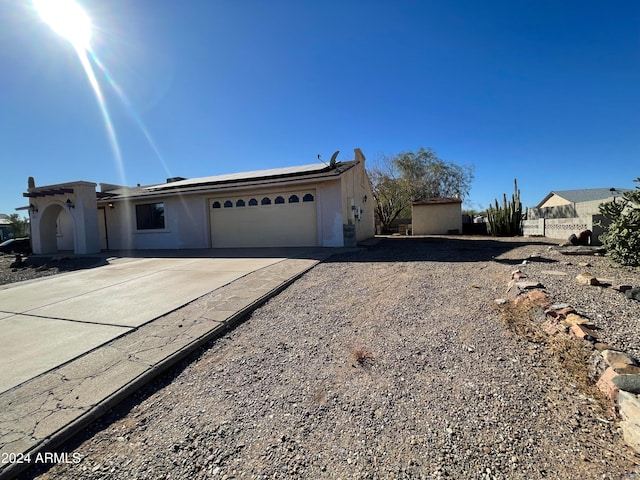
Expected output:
(85, 218)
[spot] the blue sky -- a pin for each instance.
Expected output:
(543, 91)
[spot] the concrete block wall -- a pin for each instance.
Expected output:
(562, 228)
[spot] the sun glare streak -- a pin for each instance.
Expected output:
(70, 21)
(111, 133)
(130, 110)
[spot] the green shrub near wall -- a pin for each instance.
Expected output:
(621, 237)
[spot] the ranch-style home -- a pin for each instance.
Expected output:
(310, 205)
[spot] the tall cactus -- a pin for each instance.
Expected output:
(506, 221)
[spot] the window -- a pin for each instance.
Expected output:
(279, 200)
(216, 205)
(266, 201)
(253, 202)
(240, 203)
(307, 198)
(150, 216)
(294, 199)
(228, 204)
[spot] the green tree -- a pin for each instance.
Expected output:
(400, 180)
(428, 176)
(19, 227)
(622, 236)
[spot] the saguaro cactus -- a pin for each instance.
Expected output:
(506, 220)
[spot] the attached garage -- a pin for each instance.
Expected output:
(316, 205)
(286, 218)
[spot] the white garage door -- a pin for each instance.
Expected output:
(264, 220)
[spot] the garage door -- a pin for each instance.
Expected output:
(265, 220)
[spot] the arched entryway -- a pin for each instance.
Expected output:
(56, 232)
(64, 218)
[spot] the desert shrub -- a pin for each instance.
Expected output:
(621, 237)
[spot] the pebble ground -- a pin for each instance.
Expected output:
(389, 362)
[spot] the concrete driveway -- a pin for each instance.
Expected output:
(74, 344)
(49, 322)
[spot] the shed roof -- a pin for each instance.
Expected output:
(437, 201)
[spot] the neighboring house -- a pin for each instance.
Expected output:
(435, 216)
(574, 203)
(563, 213)
(311, 205)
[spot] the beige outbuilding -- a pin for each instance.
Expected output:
(437, 216)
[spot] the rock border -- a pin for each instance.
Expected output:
(618, 373)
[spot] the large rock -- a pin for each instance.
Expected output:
(528, 285)
(606, 385)
(575, 319)
(614, 358)
(518, 274)
(586, 279)
(626, 369)
(620, 362)
(628, 383)
(630, 412)
(622, 288)
(633, 293)
(584, 333)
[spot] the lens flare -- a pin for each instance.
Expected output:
(130, 109)
(68, 20)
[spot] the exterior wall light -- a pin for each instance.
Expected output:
(110, 205)
(70, 204)
(33, 208)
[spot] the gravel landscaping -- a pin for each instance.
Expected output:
(393, 361)
(20, 268)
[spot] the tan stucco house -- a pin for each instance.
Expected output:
(562, 213)
(309, 205)
(437, 216)
(574, 203)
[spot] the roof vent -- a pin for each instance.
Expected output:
(175, 179)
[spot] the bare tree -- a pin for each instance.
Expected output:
(390, 192)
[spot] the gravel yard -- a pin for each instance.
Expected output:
(29, 267)
(389, 362)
